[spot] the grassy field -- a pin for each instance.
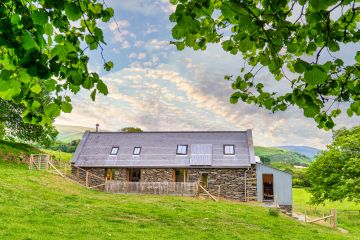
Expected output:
(38, 205)
(62, 156)
(347, 220)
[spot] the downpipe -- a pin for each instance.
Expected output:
(246, 183)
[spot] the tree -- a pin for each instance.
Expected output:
(335, 173)
(268, 35)
(13, 127)
(42, 48)
(131, 129)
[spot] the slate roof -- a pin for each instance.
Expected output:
(158, 149)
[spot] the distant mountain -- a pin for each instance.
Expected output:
(69, 133)
(277, 155)
(310, 152)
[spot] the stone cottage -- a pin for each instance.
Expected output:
(211, 158)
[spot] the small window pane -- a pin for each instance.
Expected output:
(229, 150)
(136, 150)
(181, 149)
(114, 151)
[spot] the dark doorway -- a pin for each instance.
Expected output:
(204, 180)
(268, 187)
(181, 175)
(134, 174)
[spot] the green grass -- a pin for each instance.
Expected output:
(62, 156)
(16, 152)
(281, 155)
(347, 220)
(38, 205)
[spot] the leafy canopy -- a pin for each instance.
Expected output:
(335, 174)
(42, 49)
(288, 38)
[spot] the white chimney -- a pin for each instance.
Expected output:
(97, 127)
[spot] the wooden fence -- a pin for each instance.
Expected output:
(162, 188)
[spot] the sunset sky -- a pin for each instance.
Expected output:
(155, 87)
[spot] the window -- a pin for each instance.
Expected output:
(137, 151)
(114, 150)
(229, 150)
(181, 149)
(204, 180)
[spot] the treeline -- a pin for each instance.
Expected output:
(65, 147)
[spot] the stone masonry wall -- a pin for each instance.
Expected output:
(157, 175)
(231, 182)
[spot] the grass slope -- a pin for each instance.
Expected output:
(281, 155)
(347, 220)
(62, 156)
(16, 152)
(38, 205)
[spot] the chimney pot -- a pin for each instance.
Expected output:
(97, 127)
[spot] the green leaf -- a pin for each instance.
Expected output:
(15, 19)
(316, 75)
(93, 95)
(108, 65)
(311, 111)
(102, 87)
(357, 56)
(66, 107)
(9, 87)
(27, 41)
(36, 88)
(72, 11)
(35, 105)
(301, 66)
(52, 110)
(39, 17)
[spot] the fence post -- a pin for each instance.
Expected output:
(334, 216)
(87, 178)
(218, 193)
(305, 216)
(64, 168)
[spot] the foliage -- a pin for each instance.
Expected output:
(274, 212)
(58, 155)
(15, 128)
(271, 154)
(131, 129)
(42, 48)
(335, 174)
(291, 47)
(65, 147)
(16, 152)
(61, 209)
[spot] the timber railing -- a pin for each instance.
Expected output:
(66, 170)
(161, 188)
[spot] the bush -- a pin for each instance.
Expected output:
(274, 212)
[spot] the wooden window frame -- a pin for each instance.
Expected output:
(229, 145)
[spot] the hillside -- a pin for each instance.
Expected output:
(310, 152)
(39, 205)
(16, 152)
(277, 155)
(69, 133)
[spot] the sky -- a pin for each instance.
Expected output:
(157, 88)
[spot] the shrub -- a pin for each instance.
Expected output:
(274, 212)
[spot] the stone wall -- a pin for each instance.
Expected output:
(231, 182)
(157, 175)
(121, 174)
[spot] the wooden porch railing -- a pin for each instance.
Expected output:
(161, 188)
